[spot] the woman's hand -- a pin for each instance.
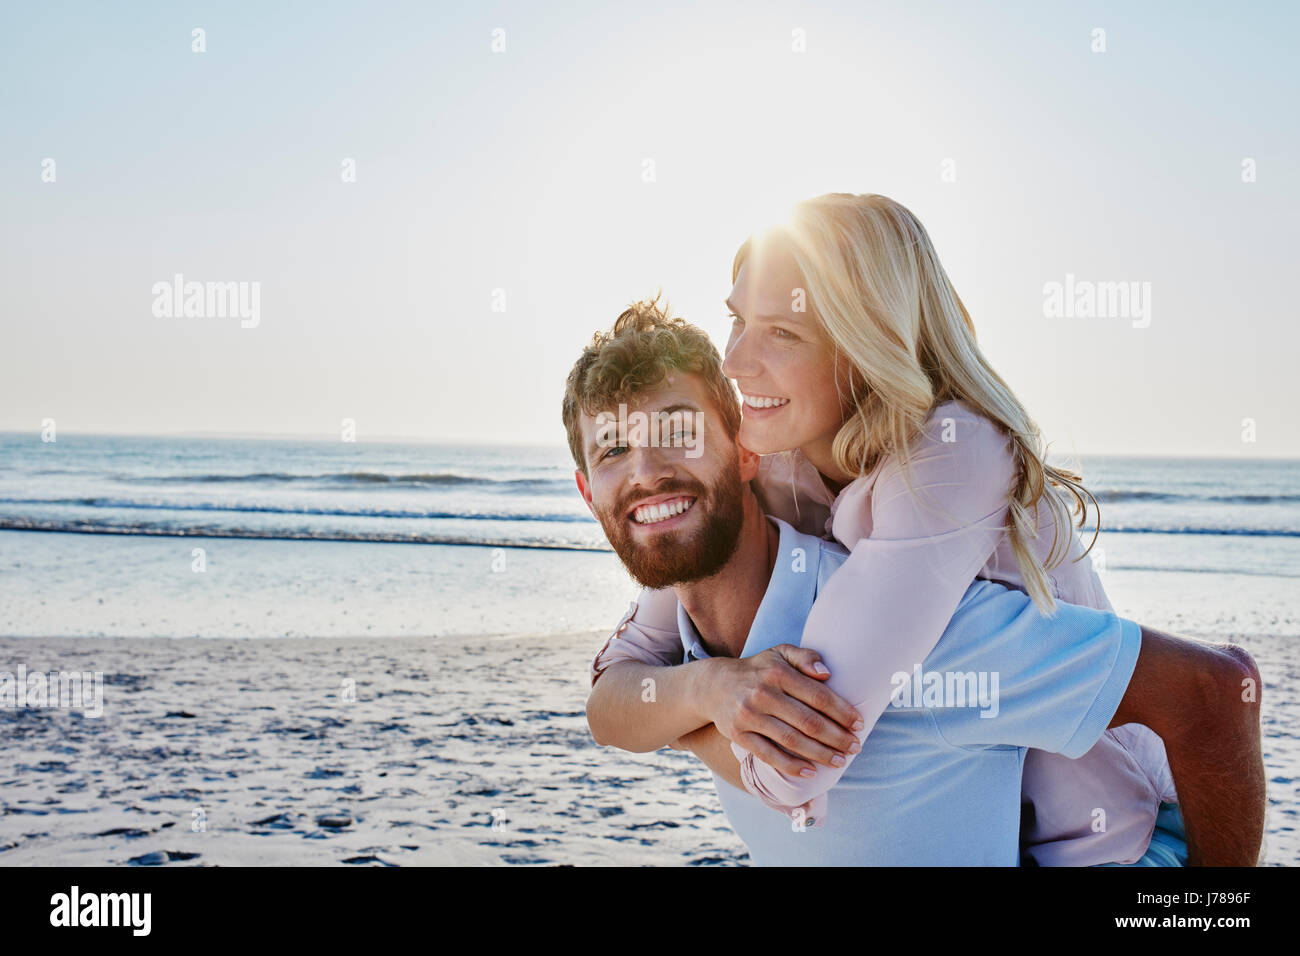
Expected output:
(775, 705)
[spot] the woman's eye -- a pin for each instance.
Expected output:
(736, 320)
(783, 334)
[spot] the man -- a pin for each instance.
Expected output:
(676, 505)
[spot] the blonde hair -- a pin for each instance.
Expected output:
(876, 286)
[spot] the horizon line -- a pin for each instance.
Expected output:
(556, 445)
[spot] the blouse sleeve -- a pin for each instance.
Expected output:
(913, 553)
(648, 633)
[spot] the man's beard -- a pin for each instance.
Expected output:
(680, 556)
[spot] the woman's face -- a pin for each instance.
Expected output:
(782, 361)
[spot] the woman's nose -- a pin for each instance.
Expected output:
(739, 361)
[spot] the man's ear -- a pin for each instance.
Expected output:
(748, 462)
(584, 489)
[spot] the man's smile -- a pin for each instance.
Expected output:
(660, 509)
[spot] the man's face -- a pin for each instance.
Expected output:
(672, 509)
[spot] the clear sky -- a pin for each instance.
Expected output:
(524, 170)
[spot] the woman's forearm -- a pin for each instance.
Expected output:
(643, 707)
(710, 746)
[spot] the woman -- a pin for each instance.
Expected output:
(882, 423)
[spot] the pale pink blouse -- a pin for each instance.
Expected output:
(913, 552)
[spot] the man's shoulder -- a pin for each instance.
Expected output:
(828, 553)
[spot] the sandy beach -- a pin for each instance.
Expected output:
(454, 751)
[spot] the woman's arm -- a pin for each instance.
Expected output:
(640, 707)
(714, 750)
(648, 633)
(640, 702)
(634, 669)
(885, 609)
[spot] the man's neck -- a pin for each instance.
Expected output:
(722, 607)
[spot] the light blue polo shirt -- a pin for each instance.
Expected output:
(937, 783)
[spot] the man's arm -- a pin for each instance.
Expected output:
(1203, 701)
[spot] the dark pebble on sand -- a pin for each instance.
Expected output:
(334, 822)
(279, 821)
(124, 831)
(159, 857)
(322, 773)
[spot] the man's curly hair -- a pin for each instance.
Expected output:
(637, 354)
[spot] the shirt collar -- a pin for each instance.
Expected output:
(786, 603)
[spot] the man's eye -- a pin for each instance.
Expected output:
(610, 451)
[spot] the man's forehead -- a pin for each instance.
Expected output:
(677, 389)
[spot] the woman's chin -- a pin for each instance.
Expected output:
(762, 439)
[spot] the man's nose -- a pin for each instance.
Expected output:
(650, 465)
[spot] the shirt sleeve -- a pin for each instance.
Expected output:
(648, 633)
(1053, 686)
(917, 539)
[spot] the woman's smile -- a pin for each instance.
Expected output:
(761, 406)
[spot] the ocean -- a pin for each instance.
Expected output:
(166, 536)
